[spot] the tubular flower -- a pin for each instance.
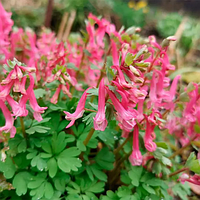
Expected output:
(9, 125)
(79, 110)
(192, 179)
(33, 102)
(136, 156)
(148, 138)
(54, 99)
(125, 117)
(100, 121)
(17, 108)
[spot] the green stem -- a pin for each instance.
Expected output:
(177, 172)
(90, 134)
(179, 151)
(121, 146)
(116, 169)
(23, 127)
(82, 60)
(151, 66)
(102, 72)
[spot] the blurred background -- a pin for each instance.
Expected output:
(161, 18)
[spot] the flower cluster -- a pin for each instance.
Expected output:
(131, 76)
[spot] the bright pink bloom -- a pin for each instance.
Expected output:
(148, 138)
(114, 53)
(125, 117)
(66, 91)
(79, 110)
(9, 125)
(192, 179)
(33, 102)
(136, 156)
(5, 21)
(17, 109)
(121, 78)
(54, 99)
(5, 90)
(100, 121)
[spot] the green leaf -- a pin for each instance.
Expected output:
(40, 187)
(148, 188)
(60, 181)
(98, 173)
(8, 168)
(93, 92)
(166, 161)
(197, 128)
(62, 125)
(80, 145)
(21, 161)
(59, 142)
(38, 162)
(20, 182)
(162, 145)
(110, 73)
(105, 162)
(68, 161)
(182, 71)
(96, 187)
(179, 191)
(159, 153)
(156, 182)
(46, 119)
(52, 167)
(125, 178)
(87, 52)
(48, 190)
(74, 197)
(37, 181)
(14, 143)
(129, 59)
(193, 163)
(89, 172)
(72, 66)
(190, 159)
(123, 191)
(22, 146)
(46, 146)
(73, 188)
(135, 175)
(38, 129)
(39, 93)
(89, 119)
(110, 195)
(32, 153)
(92, 66)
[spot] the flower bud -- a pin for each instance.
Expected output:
(166, 42)
(134, 70)
(139, 80)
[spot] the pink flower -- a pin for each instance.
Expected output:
(5, 21)
(33, 102)
(79, 110)
(136, 156)
(17, 108)
(125, 117)
(9, 125)
(5, 90)
(54, 99)
(114, 53)
(148, 138)
(100, 121)
(192, 179)
(121, 78)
